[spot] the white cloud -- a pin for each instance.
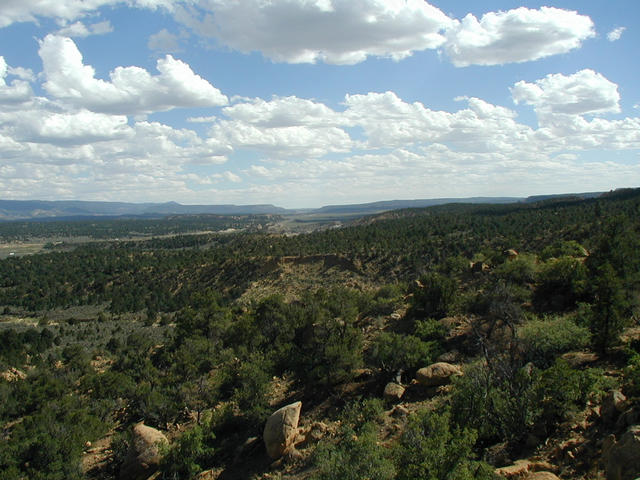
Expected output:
(164, 41)
(518, 35)
(615, 34)
(132, 90)
(284, 112)
(18, 90)
(13, 11)
(70, 128)
(585, 92)
(388, 121)
(332, 31)
(79, 29)
(300, 141)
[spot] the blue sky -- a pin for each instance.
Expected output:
(303, 103)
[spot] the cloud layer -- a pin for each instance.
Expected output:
(66, 133)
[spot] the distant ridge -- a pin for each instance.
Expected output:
(398, 204)
(67, 209)
(40, 209)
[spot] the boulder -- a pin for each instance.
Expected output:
(613, 404)
(622, 459)
(510, 253)
(144, 453)
(281, 430)
(393, 392)
(437, 374)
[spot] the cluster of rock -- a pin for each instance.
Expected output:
(435, 376)
(621, 456)
(281, 435)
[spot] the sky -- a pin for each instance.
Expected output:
(304, 103)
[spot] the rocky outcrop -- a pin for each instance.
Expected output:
(437, 374)
(144, 453)
(393, 392)
(281, 430)
(622, 459)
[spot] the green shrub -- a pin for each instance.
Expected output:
(562, 283)
(631, 378)
(543, 339)
(187, 455)
(355, 456)
(393, 352)
(567, 248)
(521, 269)
(360, 412)
(429, 449)
(430, 329)
(561, 391)
(505, 404)
(433, 296)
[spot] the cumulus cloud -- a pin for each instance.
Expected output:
(332, 31)
(132, 90)
(518, 35)
(284, 112)
(79, 29)
(77, 128)
(388, 121)
(17, 90)
(584, 92)
(615, 34)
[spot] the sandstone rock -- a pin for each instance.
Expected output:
(627, 418)
(449, 357)
(541, 476)
(622, 460)
(613, 405)
(281, 429)
(437, 374)
(144, 456)
(314, 433)
(519, 469)
(13, 375)
(208, 475)
(393, 392)
(527, 469)
(399, 411)
(479, 267)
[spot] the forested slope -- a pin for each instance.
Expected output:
(215, 331)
